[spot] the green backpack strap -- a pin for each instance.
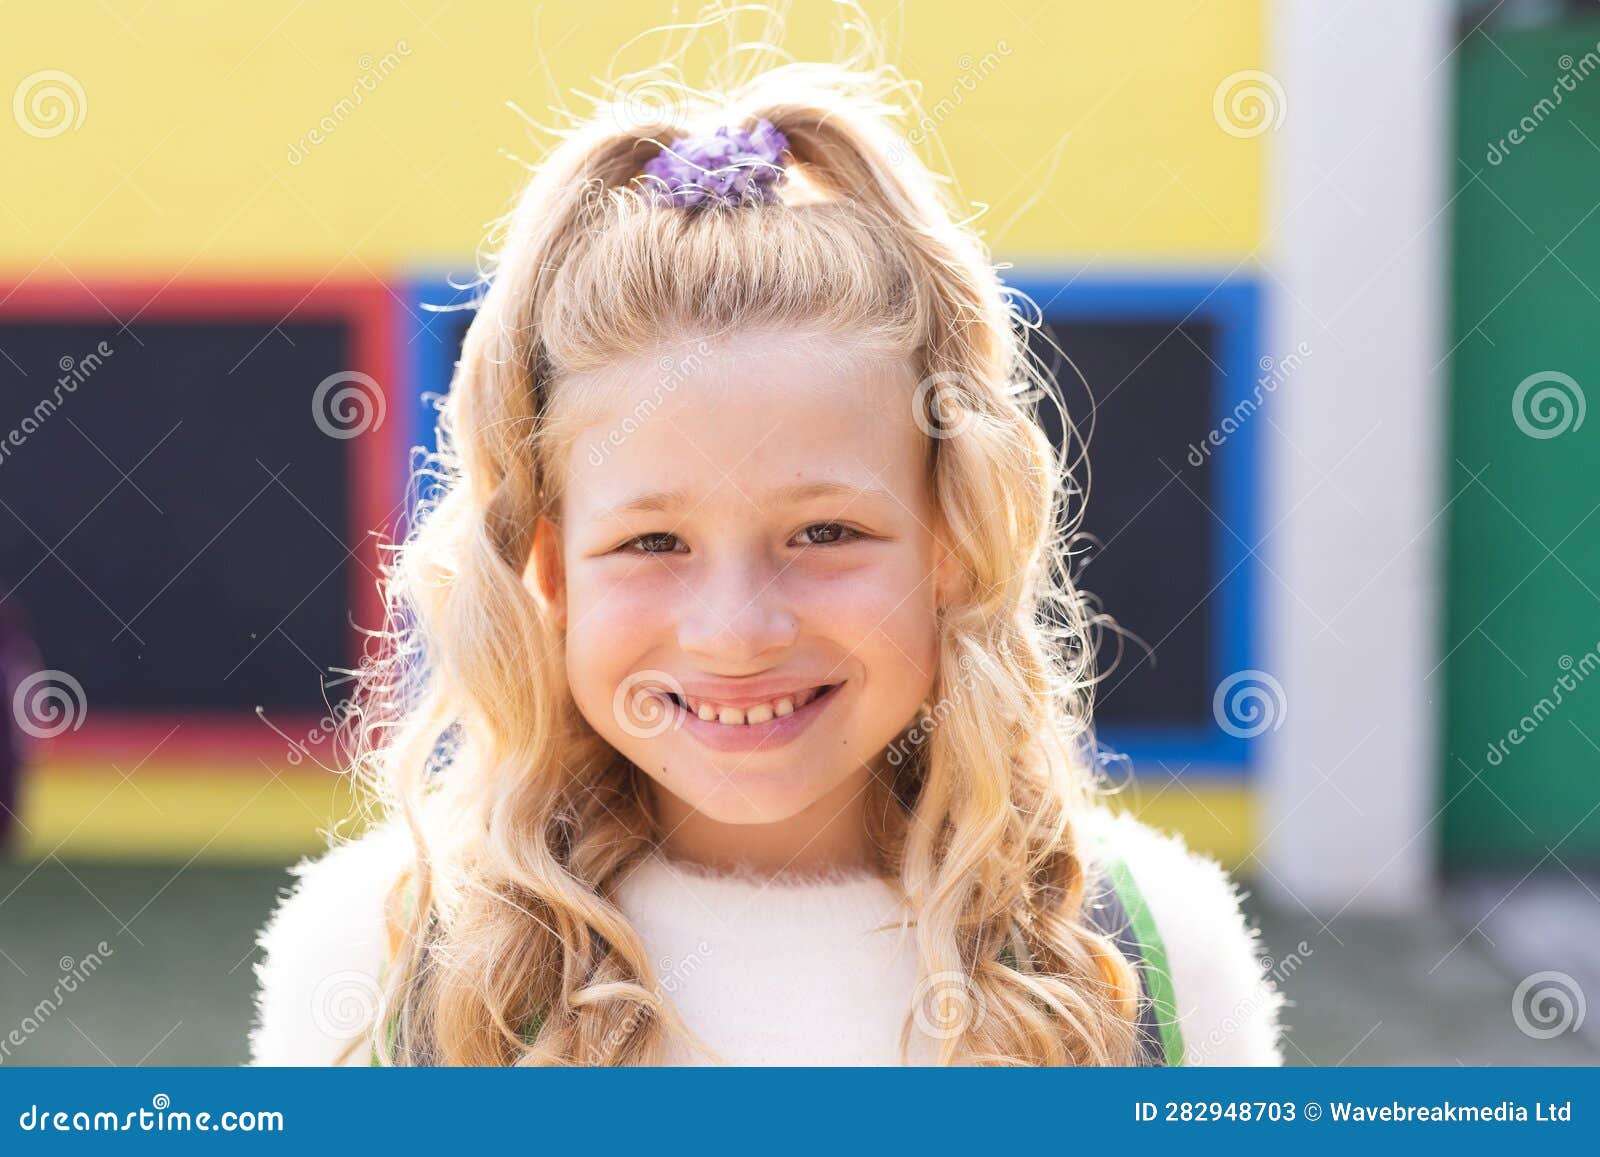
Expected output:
(390, 1031)
(392, 1026)
(1134, 930)
(1156, 970)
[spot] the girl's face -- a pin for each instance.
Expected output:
(747, 575)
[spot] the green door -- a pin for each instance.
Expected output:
(1521, 680)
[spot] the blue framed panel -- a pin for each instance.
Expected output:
(434, 313)
(1213, 325)
(1178, 355)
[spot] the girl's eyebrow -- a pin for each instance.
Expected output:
(664, 501)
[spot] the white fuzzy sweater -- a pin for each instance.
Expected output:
(787, 973)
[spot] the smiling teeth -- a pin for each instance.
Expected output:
(759, 713)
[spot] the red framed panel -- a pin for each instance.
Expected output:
(376, 479)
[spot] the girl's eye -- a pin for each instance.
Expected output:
(662, 542)
(653, 543)
(837, 531)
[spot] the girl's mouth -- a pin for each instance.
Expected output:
(761, 726)
(754, 715)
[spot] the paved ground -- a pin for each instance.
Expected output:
(1412, 992)
(174, 989)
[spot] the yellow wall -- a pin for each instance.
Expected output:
(183, 812)
(190, 108)
(1087, 128)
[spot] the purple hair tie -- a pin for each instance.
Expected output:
(728, 167)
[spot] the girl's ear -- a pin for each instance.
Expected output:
(547, 571)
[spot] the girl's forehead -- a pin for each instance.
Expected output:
(743, 415)
(814, 359)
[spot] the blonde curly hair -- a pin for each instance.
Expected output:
(510, 948)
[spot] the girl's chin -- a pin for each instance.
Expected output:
(747, 795)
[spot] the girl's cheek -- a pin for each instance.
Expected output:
(908, 634)
(854, 599)
(886, 588)
(888, 607)
(606, 605)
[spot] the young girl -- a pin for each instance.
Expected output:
(738, 706)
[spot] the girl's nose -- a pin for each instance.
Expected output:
(741, 614)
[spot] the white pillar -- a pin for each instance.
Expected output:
(1356, 269)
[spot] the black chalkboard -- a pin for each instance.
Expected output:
(1148, 389)
(175, 523)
